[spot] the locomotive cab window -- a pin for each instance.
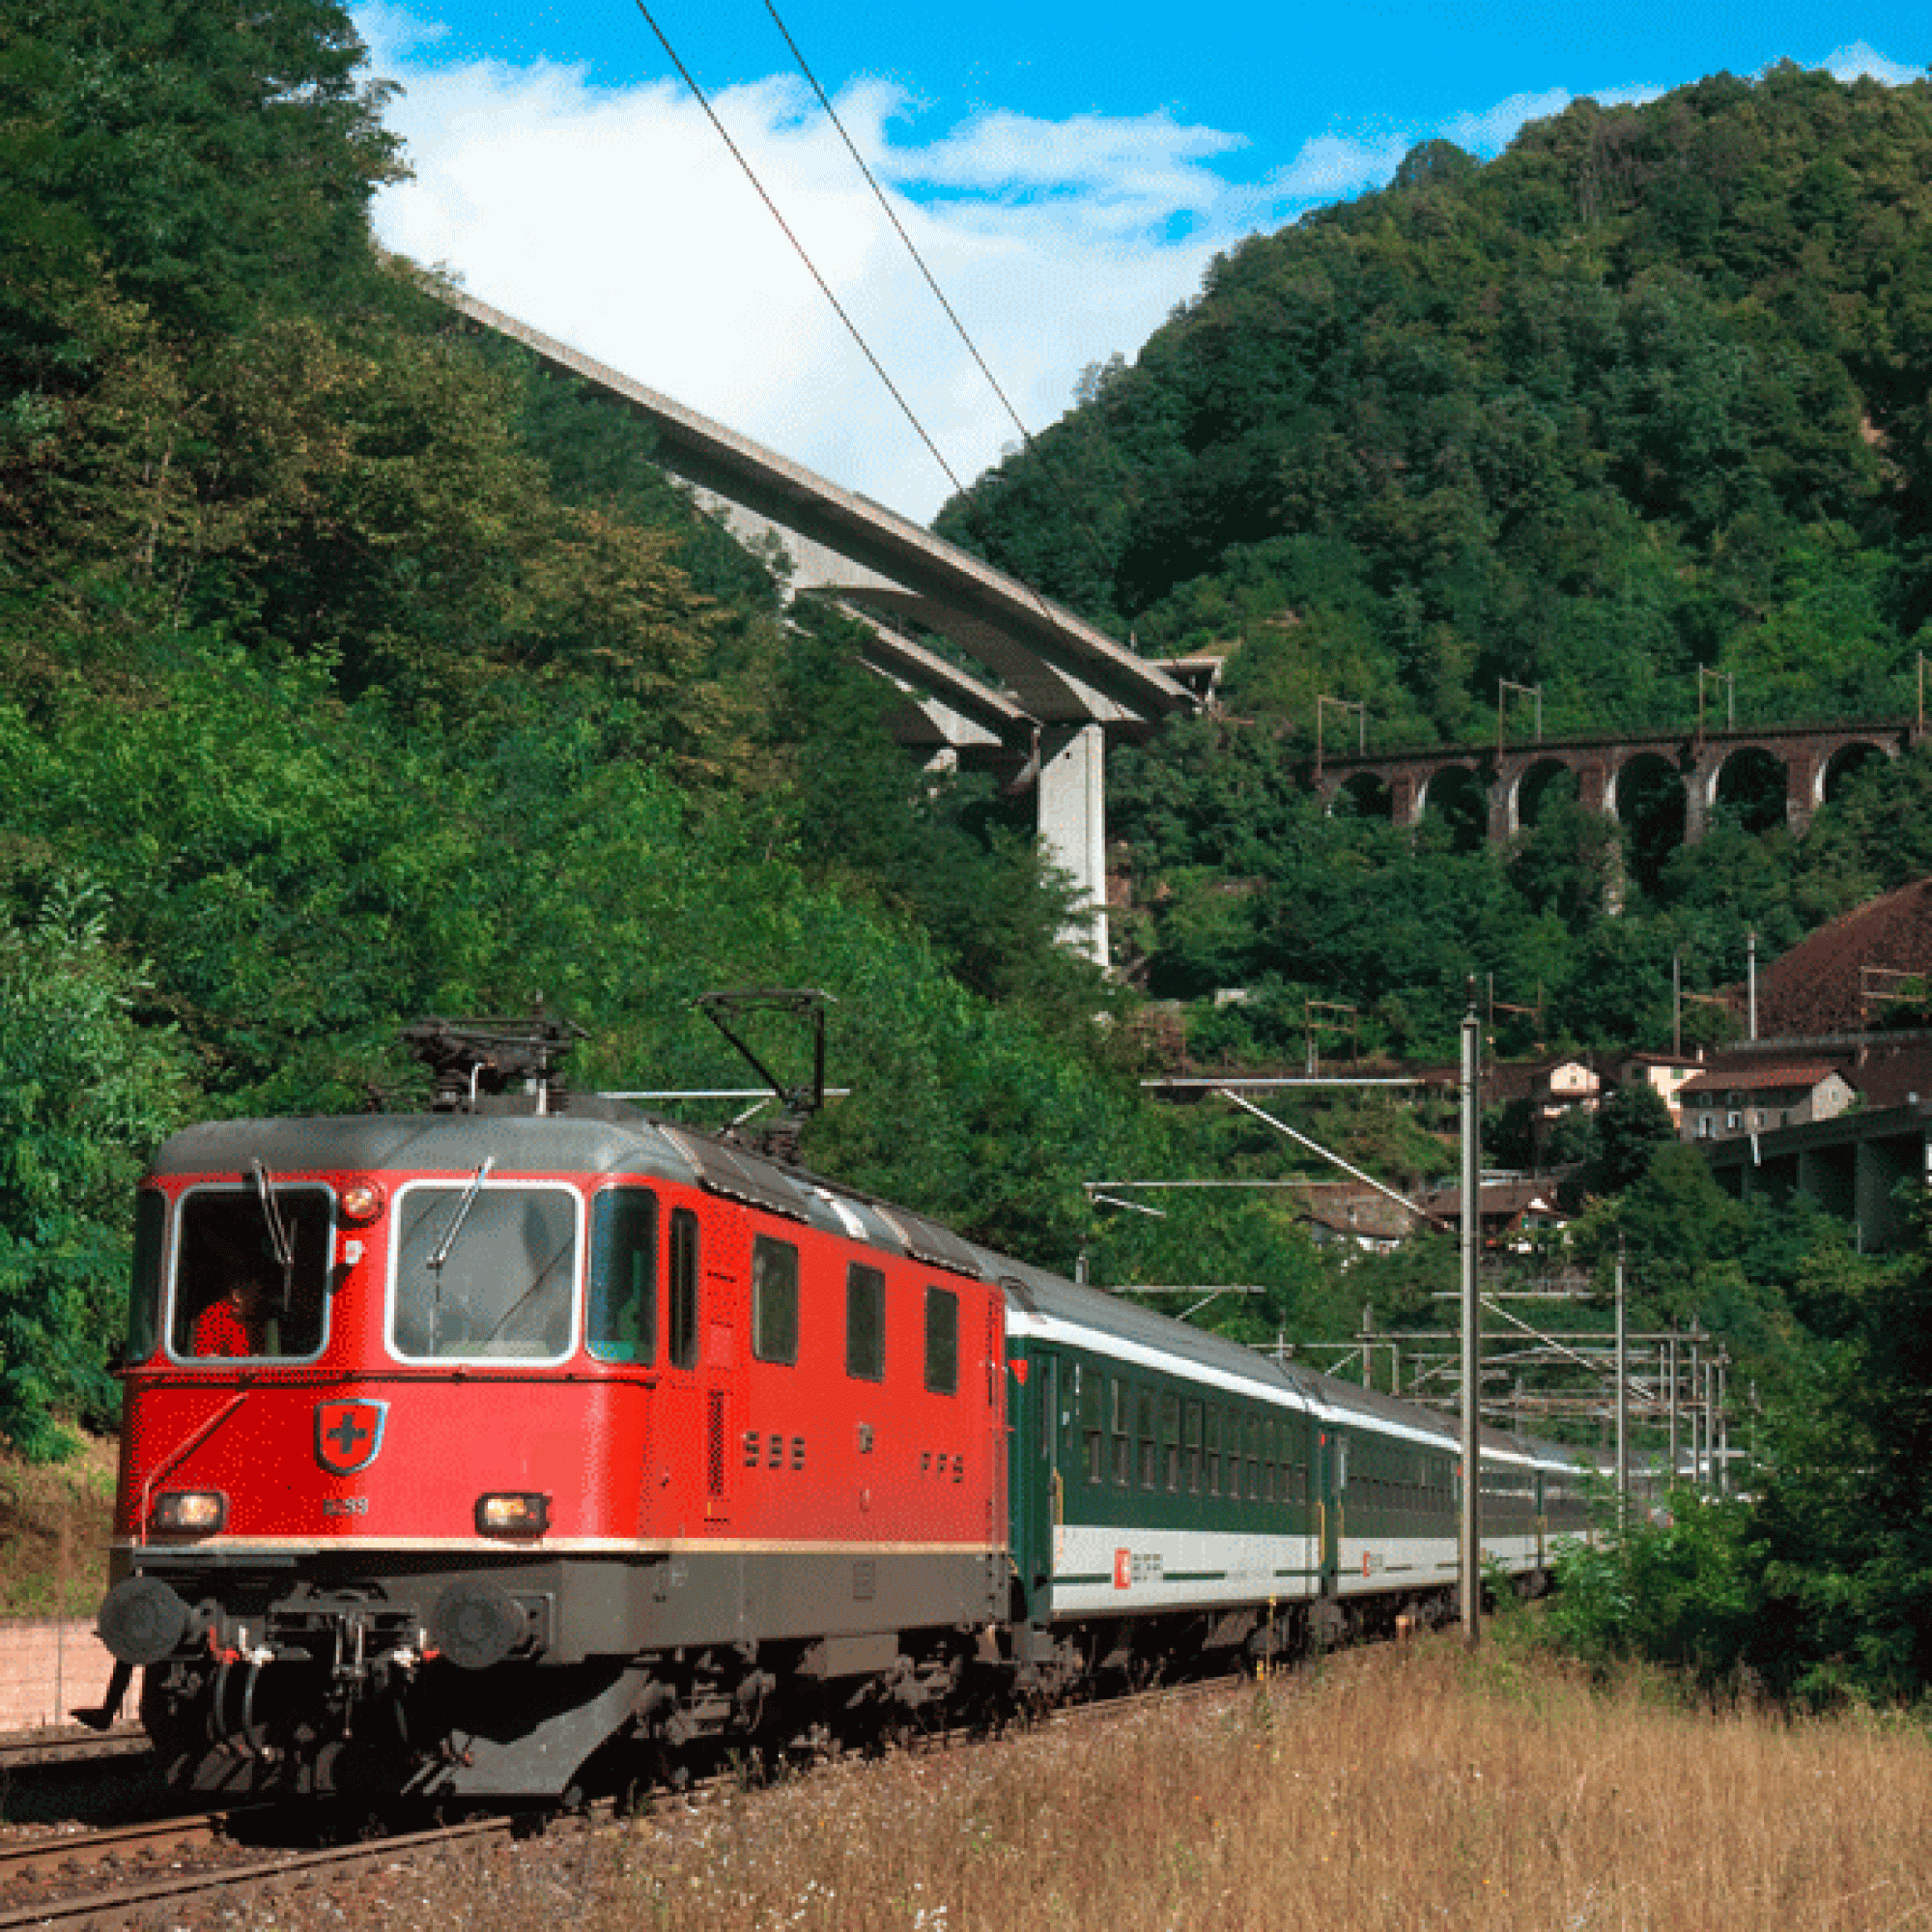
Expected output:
(251, 1272)
(864, 1322)
(484, 1271)
(144, 1287)
(942, 1340)
(624, 1276)
(773, 1300)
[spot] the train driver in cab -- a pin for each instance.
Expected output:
(236, 1321)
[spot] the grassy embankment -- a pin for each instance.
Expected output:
(1389, 1791)
(54, 1523)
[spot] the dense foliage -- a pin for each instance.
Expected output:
(1817, 1587)
(1643, 394)
(351, 668)
(1642, 398)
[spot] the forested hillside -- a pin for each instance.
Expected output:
(1647, 394)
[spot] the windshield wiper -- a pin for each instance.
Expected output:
(278, 1233)
(448, 1241)
(463, 1208)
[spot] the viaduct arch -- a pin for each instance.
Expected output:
(1812, 759)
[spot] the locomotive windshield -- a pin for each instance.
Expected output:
(245, 1286)
(484, 1270)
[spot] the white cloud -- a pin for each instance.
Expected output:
(615, 220)
(1333, 165)
(1850, 63)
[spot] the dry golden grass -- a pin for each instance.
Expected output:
(1393, 1791)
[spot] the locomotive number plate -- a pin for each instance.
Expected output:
(345, 1505)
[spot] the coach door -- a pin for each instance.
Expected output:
(1039, 1443)
(1332, 1470)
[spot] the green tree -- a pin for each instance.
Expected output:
(85, 1094)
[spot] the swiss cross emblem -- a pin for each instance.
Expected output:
(348, 1435)
(1123, 1569)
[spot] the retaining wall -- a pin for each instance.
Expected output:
(45, 1670)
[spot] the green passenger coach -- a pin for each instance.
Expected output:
(1173, 1494)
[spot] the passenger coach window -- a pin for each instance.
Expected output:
(1119, 1398)
(683, 1289)
(773, 1300)
(624, 1276)
(1193, 1442)
(864, 1322)
(144, 1287)
(234, 1295)
(942, 1340)
(1170, 1439)
(1091, 1432)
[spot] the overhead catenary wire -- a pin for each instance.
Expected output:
(938, 294)
(704, 101)
(697, 93)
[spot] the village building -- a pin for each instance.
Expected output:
(1723, 1102)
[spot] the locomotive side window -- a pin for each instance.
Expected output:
(942, 1340)
(624, 1276)
(773, 1300)
(251, 1273)
(484, 1271)
(683, 1289)
(864, 1322)
(144, 1287)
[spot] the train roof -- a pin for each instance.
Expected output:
(595, 1137)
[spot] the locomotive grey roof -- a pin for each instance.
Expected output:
(521, 1144)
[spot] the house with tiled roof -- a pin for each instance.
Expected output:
(1724, 1101)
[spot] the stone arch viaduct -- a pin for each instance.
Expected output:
(1509, 780)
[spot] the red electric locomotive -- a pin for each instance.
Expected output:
(459, 1444)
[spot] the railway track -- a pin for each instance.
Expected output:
(230, 1871)
(43, 1748)
(83, 1879)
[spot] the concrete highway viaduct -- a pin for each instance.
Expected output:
(1053, 690)
(1709, 766)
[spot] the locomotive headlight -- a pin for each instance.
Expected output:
(199, 1512)
(360, 1204)
(513, 1513)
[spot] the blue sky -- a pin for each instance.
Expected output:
(1068, 169)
